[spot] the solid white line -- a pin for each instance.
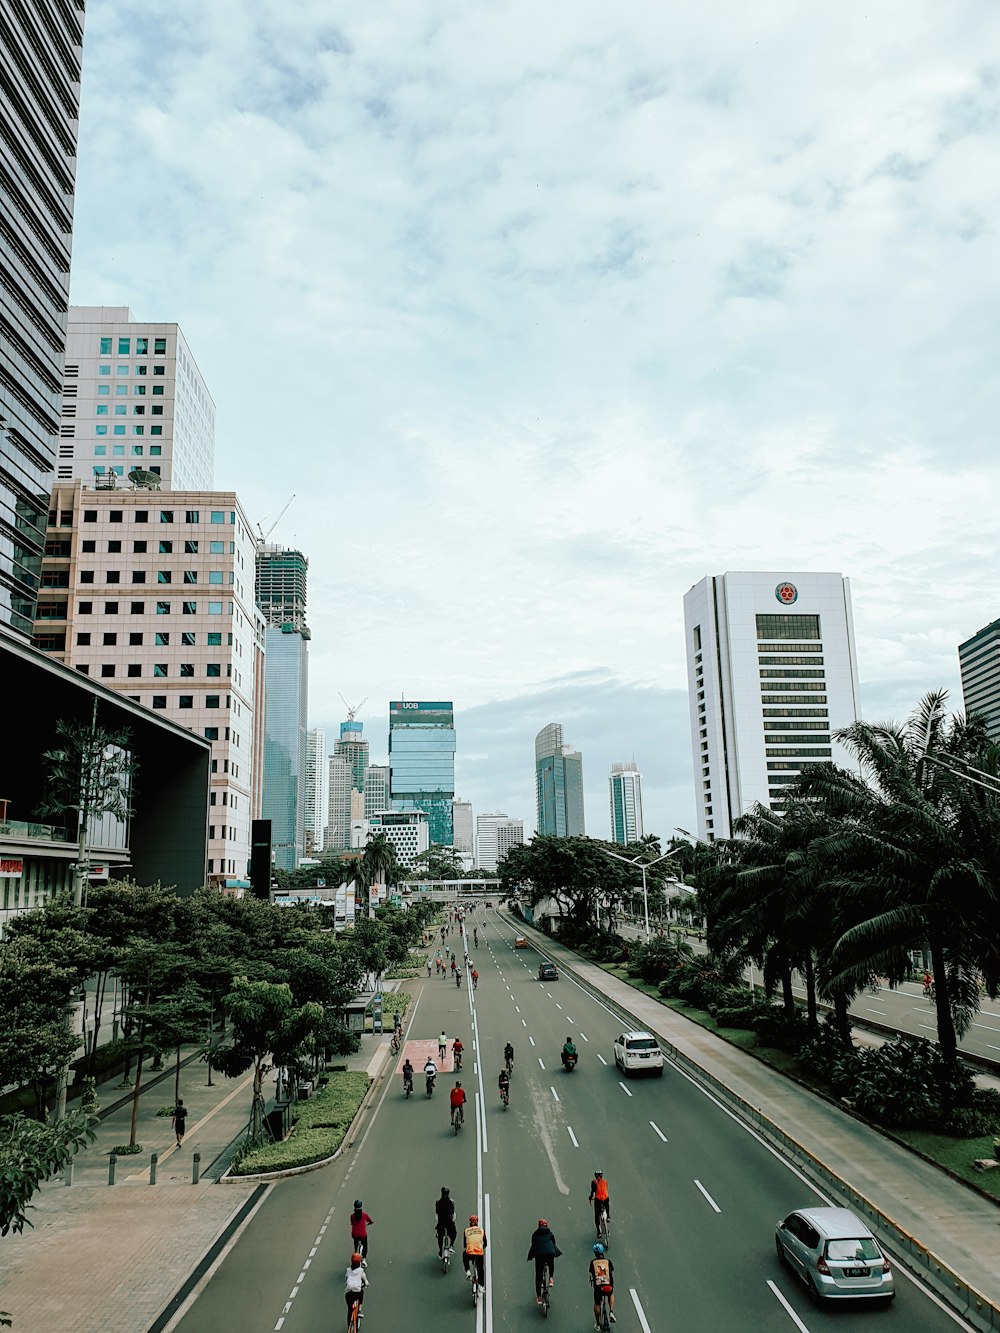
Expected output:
(554, 1093)
(569, 1131)
(626, 1091)
(639, 1310)
(708, 1196)
(484, 1310)
(601, 1058)
(658, 1130)
(788, 1309)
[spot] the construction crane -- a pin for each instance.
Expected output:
(353, 712)
(261, 534)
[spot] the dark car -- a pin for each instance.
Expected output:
(548, 972)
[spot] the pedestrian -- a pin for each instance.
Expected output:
(178, 1119)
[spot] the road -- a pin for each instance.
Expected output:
(694, 1193)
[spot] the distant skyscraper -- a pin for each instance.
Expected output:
(352, 746)
(376, 789)
(134, 398)
(315, 786)
(625, 783)
(558, 784)
(281, 596)
(496, 834)
(40, 52)
(422, 762)
(979, 663)
(338, 819)
(461, 815)
(772, 674)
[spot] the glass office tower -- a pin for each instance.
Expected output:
(558, 784)
(422, 763)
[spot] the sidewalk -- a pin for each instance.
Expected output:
(113, 1258)
(957, 1225)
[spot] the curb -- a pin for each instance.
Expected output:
(951, 1286)
(374, 1072)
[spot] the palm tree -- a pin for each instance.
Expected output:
(378, 865)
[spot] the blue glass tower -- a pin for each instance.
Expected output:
(558, 784)
(422, 763)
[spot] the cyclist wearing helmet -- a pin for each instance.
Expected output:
(355, 1281)
(600, 1198)
(474, 1250)
(458, 1099)
(602, 1279)
(503, 1083)
(445, 1211)
(544, 1250)
(508, 1057)
(360, 1222)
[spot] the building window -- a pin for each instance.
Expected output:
(187, 638)
(134, 669)
(191, 576)
(135, 640)
(155, 430)
(86, 576)
(191, 548)
(214, 640)
(155, 451)
(121, 410)
(105, 370)
(138, 576)
(142, 516)
(164, 576)
(213, 669)
(211, 733)
(90, 516)
(189, 608)
(124, 346)
(113, 576)
(139, 548)
(105, 347)
(100, 430)
(218, 516)
(102, 409)
(83, 640)
(192, 514)
(141, 346)
(212, 700)
(157, 390)
(159, 346)
(108, 670)
(163, 608)
(215, 576)
(156, 410)
(84, 670)
(110, 608)
(166, 548)
(121, 390)
(187, 668)
(161, 640)
(215, 608)
(109, 640)
(140, 370)
(159, 668)
(138, 410)
(137, 608)
(159, 701)
(119, 430)
(121, 370)
(216, 548)
(85, 608)
(185, 701)
(139, 390)
(114, 548)
(166, 516)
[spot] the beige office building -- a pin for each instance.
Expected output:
(152, 593)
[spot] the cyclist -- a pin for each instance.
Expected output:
(458, 1099)
(503, 1083)
(428, 968)
(442, 1047)
(430, 1074)
(355, 1281)
(600, 1197)
(444, 1208)
(407, 1075)
(397, 1024)
(473, 1250)
(458, 978)
(360, 1222)
(508, 1057)
(544, 1250)
(602, 1279)
(475, 979)
(453, 965)
(568, 1051)
(456, 1050)
(475, 937)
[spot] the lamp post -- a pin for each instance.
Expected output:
(644, 866)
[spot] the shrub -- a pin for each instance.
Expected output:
(88, 1096)
(738, 1016)
(827, 1054)
(396, 999)
(319, 1129)
(906, 1082)
(784, 1031)
(970, 1122)
(127, 1149)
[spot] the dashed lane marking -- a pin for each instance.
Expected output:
(627, 1091)
(554, 1093)
(708, 1196)
(658, 1130)
(573, 1140)
(639, 1310)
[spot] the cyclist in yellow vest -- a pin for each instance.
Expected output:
(600, 1197)
(602, 1279)
(474, 1250)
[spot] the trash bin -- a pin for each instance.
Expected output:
(279, 1121)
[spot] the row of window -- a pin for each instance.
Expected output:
(813, 753)
(790, 661)
(187, 639)
(123, 430)
(140, 547)
(162, 576)
(124, 370)
(166, 516)
(121, 390)
(162, 608)
(118, 450)
(141, 346)
(121, 410)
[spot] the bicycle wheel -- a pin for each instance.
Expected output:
(456, 1120)
(352, 1317)
(605, 1231)
(605, 1315)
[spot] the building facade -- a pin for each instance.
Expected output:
(315, 789)
(281, 585)
(40, 53)
(133, 398)
(496, 834)
(422, 763)
(340, 784)
(558, 785)
(772, 674)
(625, 785)
(376, 789)
(463, 831)
(152, 594)
(407, 830)
(979, 664)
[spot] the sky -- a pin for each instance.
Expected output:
(544, 312)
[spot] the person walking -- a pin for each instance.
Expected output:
(178, 1120)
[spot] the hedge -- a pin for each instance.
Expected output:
(319, 1129)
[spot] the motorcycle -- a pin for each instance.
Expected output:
(569, 1059)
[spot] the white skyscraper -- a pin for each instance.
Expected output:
(376, 789)
(625, 785)
(315, 785)
(338, 820)
(496, 834)
(133, 398)
(464, 831)
(772, 674)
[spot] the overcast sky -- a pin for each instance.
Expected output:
(545, 311)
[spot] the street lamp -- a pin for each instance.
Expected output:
(644, 866)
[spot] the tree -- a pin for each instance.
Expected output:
(576, 873)
(265, 1022)
(32, 1153)
(35, 1041)
(438, 862)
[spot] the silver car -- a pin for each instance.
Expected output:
(834, 1254)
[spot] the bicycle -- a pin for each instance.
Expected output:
(354, 1315)
(604, 1318)
(509, 1062)
(456, 1118)
(444, 1250)
(474, 1284)
(604, 1228)
(458, 1062)
(396, 1044)
(545, 1300)
(505, 1097)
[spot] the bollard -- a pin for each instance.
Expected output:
(154, 1157)
(195, 1168)
(112, 1163)
(69, 1172)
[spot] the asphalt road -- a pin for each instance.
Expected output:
(695, 1195)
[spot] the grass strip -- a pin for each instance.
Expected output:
(318, 1131)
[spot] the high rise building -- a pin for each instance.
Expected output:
(376, 789)
(772, 674)
(979, 663)
(625, 785)
(462, 829)
(496, 834)
(152, 594)
(352, 746)
(281, 596)
(338, 815)
(40, 52)
(558, 784)
(407, 830)
(315, 789)
(422, 762)
(133, 399)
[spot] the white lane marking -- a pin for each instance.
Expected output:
(584, 1036)
(554, 1093)
(569, 1131)
(517, 1009)
(524, 1022)
(639, 1310)
(570, 1020)
(708, 1196)
(988, 1026)
(788, 1309)
(549, 994)
(876, 1011)
(992, 1048)
(532, 1040)
(540, 1065)
(484, 1310)
(931, 1027)
(658, 1130)
(627, 1091)
(601, 1058)
(558, 1006)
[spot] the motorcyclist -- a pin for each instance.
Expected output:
(568, 1051)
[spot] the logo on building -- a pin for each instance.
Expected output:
(786, 593)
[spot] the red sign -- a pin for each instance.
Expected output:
(786, 593)
(11, 867)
